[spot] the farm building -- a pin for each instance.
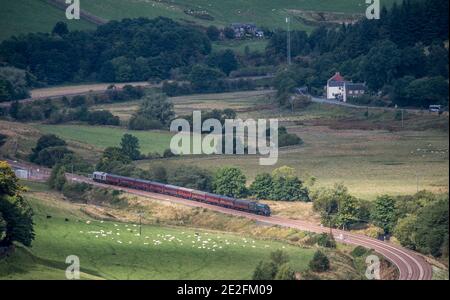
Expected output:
(340, 89)
(242, 30)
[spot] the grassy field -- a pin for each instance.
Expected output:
(184, 105)
(265, 13)
(102, 137)
(115, 250)
(341, 145)
(24, 16)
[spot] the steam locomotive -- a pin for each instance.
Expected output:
(167, 189)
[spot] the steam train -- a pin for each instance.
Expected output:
(167, 189)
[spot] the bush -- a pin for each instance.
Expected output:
(319, 263)
(76, 191)
(168, 153)
(139, 122)
(359, 251)
(289, 139)
(285, 273)
(265, 271)
(326, 240)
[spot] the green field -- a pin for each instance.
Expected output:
(113, 250)
(267, 13)
(24, 16)
(102, 137)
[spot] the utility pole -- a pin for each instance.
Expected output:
(402, 118)
(288, 20)
(417, 181)
(140, 223)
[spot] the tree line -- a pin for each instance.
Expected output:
(419, 222)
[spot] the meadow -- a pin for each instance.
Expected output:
(102, 137)
(25, 16)
(266, 13)
(116, 250)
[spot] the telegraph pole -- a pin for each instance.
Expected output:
(288, 20)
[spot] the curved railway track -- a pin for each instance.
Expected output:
(411, 265)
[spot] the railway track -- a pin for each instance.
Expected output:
(411, 265)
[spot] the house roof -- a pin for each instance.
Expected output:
(336, 77)
(355, 86)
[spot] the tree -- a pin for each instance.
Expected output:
(45, 141)
(191, 177)
(320, 262)
(381, 64)
(230, 181)
(60, 29)
(326, 240)
(224, 60)
(285, 272)
(16, 216)
(265, 271)
(202, 77)
(213, 33)
(130, 146)
(228, 33)
(57, 178)
(14, 84)
(383, 213)
(283, 171)
(289, 189)
(426, 91)
(9, 184)
(432, 228)
(2, 227)
(112, 157)
(262, 186)
(154, 107)
(52, 155)
(279, 257)
(405, 231)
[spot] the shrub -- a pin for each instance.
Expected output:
(289, 140)
(143, 123)
(326, 240)
(265, 271)
(319, 263)
(359, 251)
(285, 273)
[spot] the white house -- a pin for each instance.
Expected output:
(339, 89)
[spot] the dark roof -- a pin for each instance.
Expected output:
(355, 86)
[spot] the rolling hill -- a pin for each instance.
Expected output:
(22, 16)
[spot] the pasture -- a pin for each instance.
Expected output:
(184, 105)
(102, 137)
(266, 13)
(115, 250)
(25, 16)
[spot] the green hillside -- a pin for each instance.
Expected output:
(24, 16)
(115, 250)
